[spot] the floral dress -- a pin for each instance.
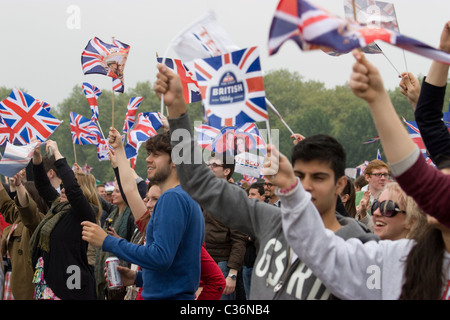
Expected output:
(42, 290)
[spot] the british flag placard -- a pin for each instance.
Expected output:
(232, 88)
(25, 116)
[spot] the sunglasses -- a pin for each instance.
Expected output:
(388, 208)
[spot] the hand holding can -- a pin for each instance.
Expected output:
(114, 278)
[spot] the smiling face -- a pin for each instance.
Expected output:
(159, 166)
(391, 228)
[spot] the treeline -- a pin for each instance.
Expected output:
(308, 107)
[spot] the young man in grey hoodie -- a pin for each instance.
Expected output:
(277, 273)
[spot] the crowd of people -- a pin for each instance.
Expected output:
(186, 231)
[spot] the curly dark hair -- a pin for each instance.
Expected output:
(159, 143)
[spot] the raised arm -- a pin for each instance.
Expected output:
(41, 180)
(80, 205)
(227, 202)
(410, 88)
(341, 265)
(428, 114)
(127, 176)
(367, 84)
(429, 187)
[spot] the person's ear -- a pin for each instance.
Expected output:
(341, 184)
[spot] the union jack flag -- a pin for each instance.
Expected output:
(414, 134)
(206, 135)
(103, 58)
(248, 179)
(83, 130)
(146, 125)
(103, 148)
(26, 117)
(372, 140)
(191, 91)
(132, 108)
(252, 129)
(16, 158)
(378, 154)
(92, 93)
(9, 135)
(117, 85)
(236, 102)
(44, 105)
(314, 28)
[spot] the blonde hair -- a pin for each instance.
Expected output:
(415, 217)
(89, 188)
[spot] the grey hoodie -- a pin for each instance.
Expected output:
(273, 277)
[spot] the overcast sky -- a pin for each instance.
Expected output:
(40, 47)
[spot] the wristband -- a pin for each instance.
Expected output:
(284, 191)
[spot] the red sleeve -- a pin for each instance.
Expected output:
(429, 187)
(211, 278)
(142, 222)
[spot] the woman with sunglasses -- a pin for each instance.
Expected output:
(396, 215)
(416, 268)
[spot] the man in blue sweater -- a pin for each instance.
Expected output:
(170, 259)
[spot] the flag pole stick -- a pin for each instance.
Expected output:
(269, 135)
(112, 115)
(73, 144)
(74, 152)
(279, 116)
(164, 62)
(399, 74)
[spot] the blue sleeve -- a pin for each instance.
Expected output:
(164, 233)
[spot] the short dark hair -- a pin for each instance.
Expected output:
(259, 186)
(49, 163)
(322, 148)
(227, 161)
(159, 143)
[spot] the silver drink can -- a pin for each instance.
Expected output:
(114, 279)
